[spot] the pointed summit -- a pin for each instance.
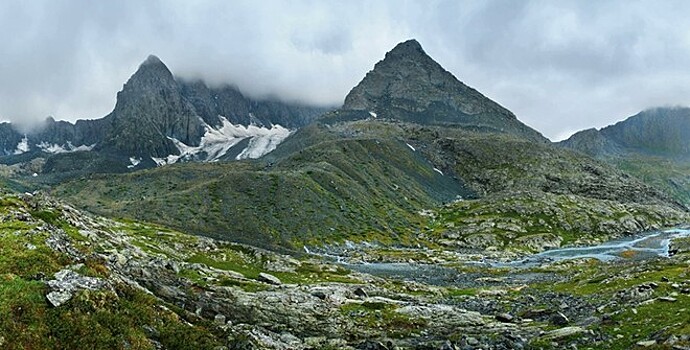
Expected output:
(152, 59)
(150, 110)
(409, 85)
(151, 74)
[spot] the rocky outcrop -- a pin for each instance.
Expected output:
(150, 109)
(67, 282)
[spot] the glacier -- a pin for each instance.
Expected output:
(216, 142)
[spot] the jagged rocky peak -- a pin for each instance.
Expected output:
(149, 111)
(409, 85)
(152, 73)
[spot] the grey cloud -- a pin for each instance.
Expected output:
(560, 66)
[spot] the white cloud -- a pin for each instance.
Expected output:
(560, 66)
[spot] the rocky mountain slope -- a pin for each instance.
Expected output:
(663, 132)
(653, 145)
(408, 85)
(157, 120)
(371, 177)
(68, 278)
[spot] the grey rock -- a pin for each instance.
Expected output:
(559, 319)
(505, 317)
(646, 343)
(67, 282)
(564, 332)
(448, 345)
(360, 292)
(219, 319)
(472, 341)
(371, 345)
(319, 294)
(58, 298)
(270, 279)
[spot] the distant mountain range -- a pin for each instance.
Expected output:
(663, 132)
(653, 145)
(160, 120)
(410, 139)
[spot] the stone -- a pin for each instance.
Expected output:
(505, 317)
(668, 299)
(646, 343)
(219, 319)
(58, 298)
(371, 345)
(67, 282)
(447, 345)
(360, 292)
(559, 319)
(472, 341)
(270, 279)
(671, 340)
(535, 313)
(319, 294)
(564, 332)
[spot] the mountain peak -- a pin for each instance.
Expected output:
(409, 85)
(152, 59)
(406, 48)
(152, 74)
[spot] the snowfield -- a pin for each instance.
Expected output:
(216, 143)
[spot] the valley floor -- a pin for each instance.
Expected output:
(68, 278)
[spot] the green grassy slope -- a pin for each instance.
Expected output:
(360, 181)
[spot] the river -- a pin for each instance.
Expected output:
(642, 246)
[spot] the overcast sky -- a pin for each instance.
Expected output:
(559, 66)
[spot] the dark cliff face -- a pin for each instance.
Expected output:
(150, 109)
(409, 85)
(229, 102)
(659, 131)
(9, 138)
(83, 132)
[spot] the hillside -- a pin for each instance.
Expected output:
(653, 145)
(371, 179)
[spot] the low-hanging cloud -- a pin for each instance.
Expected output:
(560, 66)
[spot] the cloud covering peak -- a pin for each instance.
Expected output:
(560, 66)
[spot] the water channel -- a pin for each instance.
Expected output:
(642, 246)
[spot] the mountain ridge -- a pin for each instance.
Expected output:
(653, 145)
(366, 174)
(156, 119)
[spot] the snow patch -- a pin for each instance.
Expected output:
(217, 142)
(412, 148)
(170, 159)
(22, 146)
(373, 114)
(438, 171)
(133, 162)
(66, 148)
